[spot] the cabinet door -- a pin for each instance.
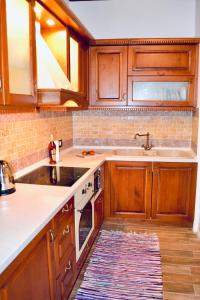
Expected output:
(21, 52)
(64, 242)
(67, 276)
(173, 194)
(162, 60)
(31, 279)
(161, 91)
(98, 211)
(131, 189)
(1, 37)
(108, 76)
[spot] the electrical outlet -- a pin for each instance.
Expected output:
(60, 143)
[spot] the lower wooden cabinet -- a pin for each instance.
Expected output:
(130, 189)
(173, 191)
(98, 211)
(67, 277)
(30, 275)
(159, 191)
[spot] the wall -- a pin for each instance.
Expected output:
(197, 25)
(25, 136)
(133, 18)
(117, 128)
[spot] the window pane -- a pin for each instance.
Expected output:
(17, 13)
(166, 91)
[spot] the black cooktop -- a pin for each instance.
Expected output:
(53, 175)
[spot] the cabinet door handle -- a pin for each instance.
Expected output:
(66, 231)
(66, 208)
(149, 171)
(161, 73)
(124, 96)
(68, 267)
(52, 235)
(156, 172)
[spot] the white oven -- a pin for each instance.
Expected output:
(84, 215)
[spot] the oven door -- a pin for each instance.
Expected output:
(84, 225)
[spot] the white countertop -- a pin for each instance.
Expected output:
(25, 213)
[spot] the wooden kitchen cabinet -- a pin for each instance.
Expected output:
(173, 192)
(130, 189)
(62, 71)
(64, 242)
(67, 278)
(46, 269)
(162, 60)
(99, 211)
(30, 275)
(19, 66)
(108, 76)
(161, 91)
(162, 192)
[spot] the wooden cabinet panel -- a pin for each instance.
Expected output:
(167, 194)
(131, 189)
(31, 279)
(66, 279)
(173, 193)
(108, 76)
(21, 63)
(162, 60)
(98, 211)
(64, 242)
(161, 91)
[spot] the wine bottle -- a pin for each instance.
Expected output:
(52, 151)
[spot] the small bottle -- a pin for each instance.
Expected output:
(52, 151)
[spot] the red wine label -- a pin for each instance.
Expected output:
(53, 154)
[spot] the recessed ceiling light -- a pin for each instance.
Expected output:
(50, 22)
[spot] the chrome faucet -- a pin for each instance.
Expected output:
(146, 146)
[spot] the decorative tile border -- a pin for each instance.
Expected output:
(129, 142)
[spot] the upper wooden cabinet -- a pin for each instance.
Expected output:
(149, 75)
(19, 61)
(162, 91)
(62, 60)
(162, 60)
(108, 76)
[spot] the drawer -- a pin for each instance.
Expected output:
(67, 277)
(64, 242)
(65, 213)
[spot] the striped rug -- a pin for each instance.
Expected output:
(123, 266)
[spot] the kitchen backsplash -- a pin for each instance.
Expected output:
(24, 137)
(195, 130)
(117, 128)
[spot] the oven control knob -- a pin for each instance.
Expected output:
(84, 191)
(89, 184)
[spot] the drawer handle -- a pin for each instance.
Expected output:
(52, 236)
(68, 267)
(66, 208)
(66, 231)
